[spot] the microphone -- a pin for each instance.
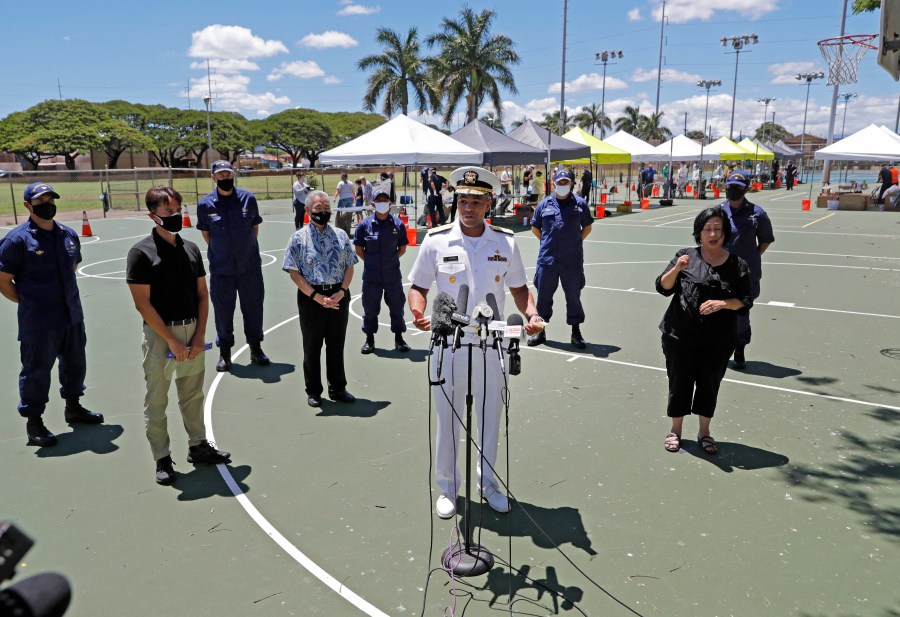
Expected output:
(41, 595)
(514, 327)
(482, 314)
(441, 326)
(458, 316)
(495, 327)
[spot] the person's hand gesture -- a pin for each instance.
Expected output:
(682, 262)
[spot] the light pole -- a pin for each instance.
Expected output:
(846, 96)
(738, 43)
(206, 101)
(705, 83)
(765, 100)
(808, 78)
(604, 57)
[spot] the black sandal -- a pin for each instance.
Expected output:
(708, 444)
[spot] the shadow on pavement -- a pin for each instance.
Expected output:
(203, 481)
(362, 408)
(96, 438)
(733, 456)
(413, 355)
(266, 374)
(501, 582)
(593, 349)
(764, 369)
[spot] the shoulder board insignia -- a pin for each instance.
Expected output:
(503, 230)
(442, 228)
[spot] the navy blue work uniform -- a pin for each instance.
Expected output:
(51, 321)
(561, 255)
(750, 227)
(381, 270)
(235, 265)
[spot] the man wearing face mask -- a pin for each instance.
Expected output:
(319, 259)
(380, 241)
(751, 235)
(37, 271)
(167, 281)
(229, 219)
(561, 222)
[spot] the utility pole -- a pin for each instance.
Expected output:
(662, 29)
(737, 43)
(59, 88)
(829, 138)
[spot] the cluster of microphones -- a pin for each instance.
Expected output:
(449, 317)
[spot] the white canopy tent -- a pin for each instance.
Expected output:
(872, 143)
(679, 148)
(637, 148)
(402, 141)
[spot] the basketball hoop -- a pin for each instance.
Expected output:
(843, 55)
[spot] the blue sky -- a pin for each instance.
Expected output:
(275, 56)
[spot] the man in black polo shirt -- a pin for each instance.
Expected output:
(167, 281)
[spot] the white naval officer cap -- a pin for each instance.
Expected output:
(474, 181)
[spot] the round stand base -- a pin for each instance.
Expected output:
(475, 562)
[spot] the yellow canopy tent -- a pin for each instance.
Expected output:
(601, 152)
(756, 151)
(727, 150)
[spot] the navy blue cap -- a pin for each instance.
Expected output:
(741, 178)
(221, 166)
(380, 190)
(563, 173)
(36, 189)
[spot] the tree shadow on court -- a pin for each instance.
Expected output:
(765, 369)
(204, 481)
(859, 477)
(266, 374)
(362, 408)
(818, 381)
(733, 456)
(413, 355)
(593, 349)
(548, 590)
(547, 527)
(96, 438)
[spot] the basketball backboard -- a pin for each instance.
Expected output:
(889, 41)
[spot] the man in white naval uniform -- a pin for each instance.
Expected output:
(486, 259)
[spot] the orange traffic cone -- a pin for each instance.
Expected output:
(186, 219)
(85, 225)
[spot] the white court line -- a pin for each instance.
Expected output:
(785, 304)
(821, 219)
(118, 239)
(689, 218)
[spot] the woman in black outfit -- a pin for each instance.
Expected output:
(708, 285)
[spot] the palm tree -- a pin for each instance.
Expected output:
(472, 63)
(396, 69)
(517, 123)
(493, 121)
(649, 128)
(551, 123)
(630, 121)
(590, 118)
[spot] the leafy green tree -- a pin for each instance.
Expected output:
(493, 121)
(230, 134)
(517, 123)
(771, 131)
(551, 123)
(350, 125)
(649, 128)
(395, 70)
(630, 121)
(865, 6)
(695, 134)
(591, 118)
(14, 138)
(296, 132)
(129, 137)
(472, 63)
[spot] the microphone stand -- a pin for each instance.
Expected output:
(470, 559)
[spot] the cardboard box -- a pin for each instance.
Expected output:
(822, 201)
(853, 201)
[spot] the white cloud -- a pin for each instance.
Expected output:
(67, 38)
(684, 11)
(353, 10)
(592, 81)
(231, 93)
(786, 72)
(230, 42)
(226, 65)
(301, 69)
(634, 14)
(668, 75)
(329, 38)
(331, 79)
(533, 109)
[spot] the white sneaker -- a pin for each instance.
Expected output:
(445, 507)
(496, 500)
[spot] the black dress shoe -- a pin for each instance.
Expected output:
(165, 474)
(204, 452)
(400, 344)
(76, 414)
(343, 396)
(38, 434)
(369, 346)
(258, 356)
(577, 339)
(740, 363)
(224, 363)
(537, 339)
(314, 400)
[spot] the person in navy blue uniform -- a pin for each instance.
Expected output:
(561, 222)
(37, 271)
(380, 241)
(751, 235)
(229, 219)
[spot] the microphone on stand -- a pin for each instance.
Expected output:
(458, 316)
(482, 314)
(514, 327)
(441, 327)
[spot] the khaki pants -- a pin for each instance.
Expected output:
(158, 373)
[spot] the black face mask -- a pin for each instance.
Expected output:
(171, 223)
(320, 218)
(225, 184)
(734, 192)
(45, 211)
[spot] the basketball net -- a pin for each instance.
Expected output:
(843, 55)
